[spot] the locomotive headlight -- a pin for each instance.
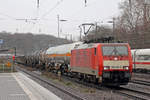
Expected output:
(106, 67)
(126, 67)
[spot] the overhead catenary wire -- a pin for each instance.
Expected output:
(8, 16)
(83, 7)
(45, 14)
(36, 18)
(35, 22)
(50, 10)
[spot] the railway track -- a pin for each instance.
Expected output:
(48, 83)
(141, 82)
(142, 72)
(134, 94)
(130, 93)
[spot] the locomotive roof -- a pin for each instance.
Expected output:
(93, 45)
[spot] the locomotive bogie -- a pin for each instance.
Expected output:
(116, 77)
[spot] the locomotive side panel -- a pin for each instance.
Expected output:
(83, 61)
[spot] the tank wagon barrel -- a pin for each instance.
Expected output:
(58, 57)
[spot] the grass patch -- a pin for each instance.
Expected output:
(89, 90)
(68, 84)
(49, 75)
(55, 79)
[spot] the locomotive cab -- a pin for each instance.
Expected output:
(117, 64)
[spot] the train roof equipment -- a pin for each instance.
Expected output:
(92, 45)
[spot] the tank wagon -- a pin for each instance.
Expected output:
(58, 58)
(34, 60)
(106, 63)
(141, 60)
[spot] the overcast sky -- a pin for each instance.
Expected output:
(74, 11)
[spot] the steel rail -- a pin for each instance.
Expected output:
(129, 95)
(127, 92)
(141, 82)
(117, 90)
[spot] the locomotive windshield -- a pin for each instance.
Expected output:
(114, 50)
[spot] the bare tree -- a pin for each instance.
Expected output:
(133, 23)
(131, 18)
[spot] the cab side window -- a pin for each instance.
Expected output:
(95, 51)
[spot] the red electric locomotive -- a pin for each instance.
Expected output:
(105, 63)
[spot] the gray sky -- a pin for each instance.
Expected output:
(74, 11)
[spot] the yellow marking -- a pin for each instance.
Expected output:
(58, 55)
(8, 64)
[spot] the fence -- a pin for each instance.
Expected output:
(6, 64)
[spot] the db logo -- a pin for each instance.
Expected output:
(115, 58)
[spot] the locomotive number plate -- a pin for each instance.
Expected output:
(116, 67)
